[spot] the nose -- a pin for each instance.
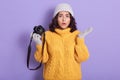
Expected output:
(64, 19)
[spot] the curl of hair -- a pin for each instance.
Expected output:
(54, 24)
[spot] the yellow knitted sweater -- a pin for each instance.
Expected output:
(63, 53)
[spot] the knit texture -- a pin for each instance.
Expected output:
(63, 53)
(63, 7)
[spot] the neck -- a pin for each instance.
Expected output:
(62, 28)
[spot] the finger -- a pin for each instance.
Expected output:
(87, 31)
(34, 35)
(38, 36)
(90, 29)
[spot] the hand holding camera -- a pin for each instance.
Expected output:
(37, 38)
(37, 33)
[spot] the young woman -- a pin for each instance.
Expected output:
(64, 47)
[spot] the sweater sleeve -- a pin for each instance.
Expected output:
(39, 56)
(81, 51)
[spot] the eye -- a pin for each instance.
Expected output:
(59, 16)
(67, 15)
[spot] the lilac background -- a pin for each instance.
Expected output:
(18, 17)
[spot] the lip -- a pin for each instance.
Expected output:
(63, 23)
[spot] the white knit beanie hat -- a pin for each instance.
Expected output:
(63, 7)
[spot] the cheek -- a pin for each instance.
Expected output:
(59, 21)
(68, 21)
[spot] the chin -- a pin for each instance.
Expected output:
(64, 27)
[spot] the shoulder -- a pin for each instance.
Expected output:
(76, 32)
(48, 34)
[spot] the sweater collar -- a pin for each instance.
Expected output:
(66, 32)
(62, 31)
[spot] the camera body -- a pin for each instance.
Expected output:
(39, 30)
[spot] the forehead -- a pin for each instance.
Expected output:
(64, 12)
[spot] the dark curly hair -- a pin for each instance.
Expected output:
(54, 24)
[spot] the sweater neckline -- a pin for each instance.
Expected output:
(64, 33)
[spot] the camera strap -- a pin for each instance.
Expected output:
(29, 53)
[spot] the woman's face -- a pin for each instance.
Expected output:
(63, 19)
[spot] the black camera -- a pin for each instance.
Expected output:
(39, 30)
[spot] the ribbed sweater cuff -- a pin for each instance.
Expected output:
(38, 46)
(80, 40)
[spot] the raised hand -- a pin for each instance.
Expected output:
(86, 32)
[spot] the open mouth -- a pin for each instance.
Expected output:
(63, 23)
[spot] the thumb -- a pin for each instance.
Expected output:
(88, 30)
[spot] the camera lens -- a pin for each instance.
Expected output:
(38, 29)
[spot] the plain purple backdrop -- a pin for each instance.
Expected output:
(18, 17)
